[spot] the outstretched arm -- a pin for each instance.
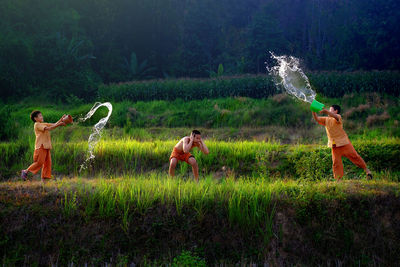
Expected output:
(54, 125)
(60, 120)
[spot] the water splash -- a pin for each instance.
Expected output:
(96, 131)
(291, 77)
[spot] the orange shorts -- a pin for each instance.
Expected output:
(179, 155)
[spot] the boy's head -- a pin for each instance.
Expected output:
(335, 109)
(197, 136)
(36, 116)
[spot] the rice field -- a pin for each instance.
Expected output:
(266, 195)
(163, 217)
(254, 203)
(250, 158)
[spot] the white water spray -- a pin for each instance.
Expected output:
(291, 77)
(96, 131)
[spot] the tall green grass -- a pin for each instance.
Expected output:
(121, 156)
(244, 202)
(360, 112)
(154, 216)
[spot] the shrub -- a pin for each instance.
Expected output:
(187, 259)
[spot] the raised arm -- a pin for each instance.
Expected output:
(327, 112)
(187, 143)
(316, 118)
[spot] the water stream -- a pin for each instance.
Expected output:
(96, 131)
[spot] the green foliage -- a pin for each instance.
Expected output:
(337, 84)
(189, 89)
(328, 84)
(187, 259)
(50, 49)
(138, 71)
(311, 164)
(8, 128)
(220, 70)
(209, 224)
(113, 157)
(278, 118)
(69, 203)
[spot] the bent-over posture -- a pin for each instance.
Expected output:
(181, 152)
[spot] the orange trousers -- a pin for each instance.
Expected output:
(349, 152)
(41, 160)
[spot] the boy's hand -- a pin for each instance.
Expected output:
(61, 123)
(324, 111)
(191, 137)
(60, 120)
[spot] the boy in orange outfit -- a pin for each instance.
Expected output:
(339, 142)
(181, 152)
(41, 155)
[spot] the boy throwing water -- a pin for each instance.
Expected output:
(41, 155)
(181, 152)
(339, 142)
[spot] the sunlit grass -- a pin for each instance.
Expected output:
(245, 202)
(226, 158)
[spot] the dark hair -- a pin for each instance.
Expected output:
(34, 114)
(337, 108)
(196, 132)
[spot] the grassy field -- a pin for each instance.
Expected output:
(152, 219)
(251, 158)
(266, 193)
(140, 135)
(360, 112)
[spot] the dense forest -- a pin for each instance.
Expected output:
(64, 47)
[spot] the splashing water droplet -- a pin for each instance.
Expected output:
(290, 76)
(96, 131)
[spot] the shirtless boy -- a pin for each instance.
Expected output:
(181, 152)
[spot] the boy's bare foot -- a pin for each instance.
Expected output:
(369, 174)
(24, 175)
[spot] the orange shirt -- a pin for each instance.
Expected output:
(334, 129)
(42, 135)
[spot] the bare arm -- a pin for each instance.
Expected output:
(203, 148)
(327, 112)
(54, 125)
(60, 120)
(316, 118)
(187, 144)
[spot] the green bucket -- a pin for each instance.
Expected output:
(316, 106)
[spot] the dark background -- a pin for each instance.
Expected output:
(69, 47)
